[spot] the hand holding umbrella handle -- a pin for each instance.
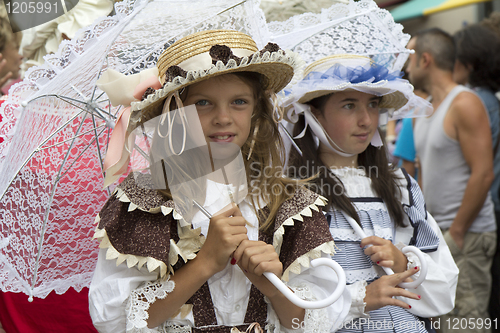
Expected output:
(423, 268)
(290, 295)
(423, 263)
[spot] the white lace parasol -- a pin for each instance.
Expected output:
(56, 126)
(359, 27)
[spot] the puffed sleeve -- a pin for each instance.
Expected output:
(110, 290)
(438, 289)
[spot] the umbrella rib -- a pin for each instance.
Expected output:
(79, 155)
(76, 136)
(142, 152)
(131, 69)
(346, 18)
(99, 155)
(70, 99)
(37, 149)
(46, 217)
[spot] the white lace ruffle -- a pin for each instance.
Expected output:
(359, 27)
(350, 234)
(172, 328)
(315, 320)
(368, 274)
(356, 182)
(358, 304)
(139, 302)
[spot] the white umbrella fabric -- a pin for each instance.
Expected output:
(56, 129)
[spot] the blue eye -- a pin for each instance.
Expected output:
(202, 102)
(240, 102)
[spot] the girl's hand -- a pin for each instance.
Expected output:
(381, 292)
(255, 258)
(384, 253)
(225, 232)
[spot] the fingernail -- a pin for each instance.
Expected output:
(233, 261)
(360, 245)
(409, 306)
(419, 296)
(378, 262)
(416, 267)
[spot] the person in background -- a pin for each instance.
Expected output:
(337, 130)
(489, 68)
(10, 59)
(455, 149)
(405, 145)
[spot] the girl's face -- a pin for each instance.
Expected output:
(225, 106)
(350, 118)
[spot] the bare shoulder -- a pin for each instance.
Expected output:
(467, 110)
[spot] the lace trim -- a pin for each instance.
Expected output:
(380, 206)
(412, 258)
(190, 242)
(358, 304)
(278, 234)
(353, 23)
(141, 299)
(368, 274)
(304, 260)
(172, 328)
(122, 196)
(350, 234)
(347, 171)
(315, 320)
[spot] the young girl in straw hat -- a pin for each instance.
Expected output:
(159, 273)
(337, 107)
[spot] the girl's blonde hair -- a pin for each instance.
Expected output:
(264, 166)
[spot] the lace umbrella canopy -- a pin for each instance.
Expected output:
(356, 27)
(51, 179)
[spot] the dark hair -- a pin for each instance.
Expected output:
(439, 44)
(479, 47)
(492, 22)
(383, 180)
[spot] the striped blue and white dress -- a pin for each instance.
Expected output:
(437, 291)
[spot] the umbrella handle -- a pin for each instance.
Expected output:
(423, 263)
(290, 295)
(423, 268)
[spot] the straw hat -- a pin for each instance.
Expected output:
(351, 72)
(207, 54)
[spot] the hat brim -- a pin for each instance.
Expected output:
(277, 75)
(390, 99)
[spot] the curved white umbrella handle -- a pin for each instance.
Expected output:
(423, 268)
(290, 295)
(423, 263)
